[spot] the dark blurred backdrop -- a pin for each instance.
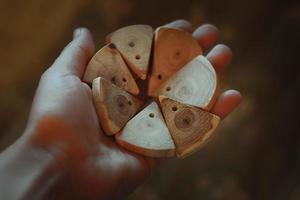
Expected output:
(256, 154)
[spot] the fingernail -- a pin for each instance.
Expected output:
(77, 33)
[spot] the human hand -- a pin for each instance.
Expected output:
(63, 122)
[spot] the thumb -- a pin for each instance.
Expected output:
(75, 56)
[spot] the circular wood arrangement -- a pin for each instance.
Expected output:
(171, 115)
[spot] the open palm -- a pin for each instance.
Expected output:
(63, 106)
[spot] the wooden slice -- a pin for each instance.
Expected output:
(190, 127)
(134, 42)
(147, 134)
(194, 84)
(173, 49)
(109, 64)
(115, 107)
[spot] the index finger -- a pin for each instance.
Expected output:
(180, 24)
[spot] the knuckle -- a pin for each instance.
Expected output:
(210, 26)
(81, 48)
(183, 21)
(47, 74)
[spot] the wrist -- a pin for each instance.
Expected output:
(30, 171)
(39, 161)
(48, 155)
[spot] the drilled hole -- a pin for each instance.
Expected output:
(124, 80)
(112, 46)
(113, 79)
(151, 115)
(137, 57)
(159, 76)
(174, 108)
(168, 89)
(131, 44)
(129, 103)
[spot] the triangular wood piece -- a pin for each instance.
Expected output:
(189, 126)
(115, 107)
(173, 48)
(134, 42)
(147, 134)
(195, 84)
(109, 64)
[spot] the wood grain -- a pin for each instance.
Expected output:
(115, 107)
(109, 64)
(135, 43)
(195, 84)
(173, 49)
(190, 127)
(147, 134)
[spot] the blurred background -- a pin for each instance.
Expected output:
(256, 154)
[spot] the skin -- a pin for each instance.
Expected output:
(63, 153)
